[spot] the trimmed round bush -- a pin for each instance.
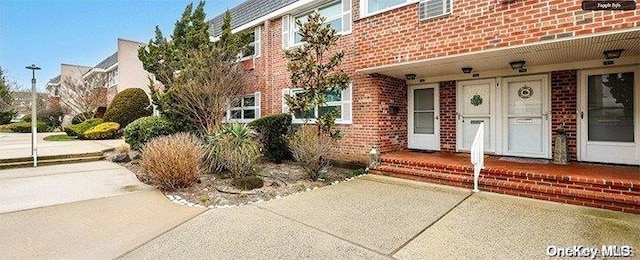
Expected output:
(272, 131)
(173, 161)
(106, 130)
(141, 131)
(25, 127)
(127, 106)
(79, 129)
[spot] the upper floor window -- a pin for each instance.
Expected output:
(336, 14)
(112, 77)
(434, 8)
(370, 7)
(253, 47)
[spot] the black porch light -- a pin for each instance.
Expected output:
(410, 76)
(612, 54)
(517, 65)
(467, 70)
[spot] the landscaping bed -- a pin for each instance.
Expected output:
(217, 190)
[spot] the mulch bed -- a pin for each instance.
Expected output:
(217, 190)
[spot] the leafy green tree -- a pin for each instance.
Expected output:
(314, 69)
(7, 110)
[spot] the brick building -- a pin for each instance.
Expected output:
(426, 73)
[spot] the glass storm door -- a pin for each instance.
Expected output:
(525, 114)
(609, 115)
(476, 104)
(424, 114)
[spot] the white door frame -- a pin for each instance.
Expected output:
(493, 109)
(582, 116)
(418, 141)
(546, 115)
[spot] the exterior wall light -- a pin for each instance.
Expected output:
(612, 54)
(517, 65)
(410, 76)
(467, 70)
(374, 158)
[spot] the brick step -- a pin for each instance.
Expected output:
(572, 195)
(26, 164)
(543, 179)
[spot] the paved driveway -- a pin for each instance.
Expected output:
(107, 214)
(379, 217)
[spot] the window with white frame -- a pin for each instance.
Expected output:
(338, 101)
(337, 15)
(112, 77)
(253, 47)
(244, 108)
(369, 7)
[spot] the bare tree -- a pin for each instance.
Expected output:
(204, 89)
(80, 96)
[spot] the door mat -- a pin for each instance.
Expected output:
(524, 160)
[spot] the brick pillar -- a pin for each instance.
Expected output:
(564, 100)
(448, 116)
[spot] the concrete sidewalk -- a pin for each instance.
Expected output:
(81, 211)
(18, 145)
(378, 217)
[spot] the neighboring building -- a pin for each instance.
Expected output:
(406, 60)
(22, 101)
(122, 69)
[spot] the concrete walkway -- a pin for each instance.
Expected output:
(98, 210)
(378, 217)
(18, 145)
(95, 210)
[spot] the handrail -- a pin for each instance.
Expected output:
(477, 155)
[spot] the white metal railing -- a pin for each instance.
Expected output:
(477, 156)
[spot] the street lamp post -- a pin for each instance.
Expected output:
(34, 118)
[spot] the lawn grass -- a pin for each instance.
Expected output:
(60, 137)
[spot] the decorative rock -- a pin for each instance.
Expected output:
(137, 156)
(121, 158)
(278, 197)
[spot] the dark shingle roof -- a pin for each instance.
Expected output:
(54, 80)
(108, 62)
(247, 12)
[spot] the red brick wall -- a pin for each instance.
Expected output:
(399, 36)
(448, 116)
(564, 98)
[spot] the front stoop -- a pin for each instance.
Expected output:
(607, 192)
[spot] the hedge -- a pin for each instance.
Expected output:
(79, 129)
(272, 130)
(127, 106)
(141, 131)
(25, 127)
(106, 130)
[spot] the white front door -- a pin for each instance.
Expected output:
(609, 115)
(476, 104)
(424, 114)
(525, 104)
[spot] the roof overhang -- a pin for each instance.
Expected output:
(576, 53)
(93, 71)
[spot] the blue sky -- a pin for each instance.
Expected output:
(81, 32)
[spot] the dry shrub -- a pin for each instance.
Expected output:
(125, 148)
(311, 150)
(173, 161)
(233, 147)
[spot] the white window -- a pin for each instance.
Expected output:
(371, 7)
(339, 101)
(113, 77)
(253, 48)
(244, 109)
(337, 14)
